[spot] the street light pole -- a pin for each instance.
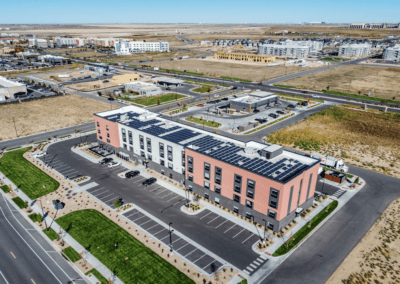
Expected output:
(170, 238)
(43, 218)
(265, 228)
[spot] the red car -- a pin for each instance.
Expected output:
(200, 105)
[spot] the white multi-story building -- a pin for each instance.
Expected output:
(355, 50)
(295, 51)
(61, 41)
(9, 35)
(40, 43)
(392, 53)
(127, 47)
(314, 44)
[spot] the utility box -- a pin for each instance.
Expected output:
(272, 151)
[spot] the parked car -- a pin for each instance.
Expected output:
(261, 120)
(277, 104)
(292, 106)
(224, 99)
(274, 115)
(106, 81)
(41, 154)
(256, 110)
(105, 161)
(315, 96)
(305, 103)
(234, 88)
(131, 174)
(280, 112)
(268, 107)
(149, 181)
(114, 164)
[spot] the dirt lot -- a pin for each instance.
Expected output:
(368, 139)
(149, 56)
(43, 70)
(73, 73)
(47, 114)
(383, 82)
(236, 70)
(376, 258)
(94, 85)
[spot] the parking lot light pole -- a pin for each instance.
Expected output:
(170, 237)
(41, 206)
(265, 228)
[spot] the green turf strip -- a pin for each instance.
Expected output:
(92, 229)
(71, 254)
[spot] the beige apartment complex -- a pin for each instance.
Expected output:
(248, 57)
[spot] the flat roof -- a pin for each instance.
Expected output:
(5, 83)
(169, 80)
(245, 155)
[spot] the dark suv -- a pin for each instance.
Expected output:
(131, 174)
(274, 115)
(105, 161)
(149, 181)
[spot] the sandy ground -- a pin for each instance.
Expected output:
(93, 85)
(366, 140)
(47, 114)
(236, 70)
(376, 257)
(81, 201)
(383, 82)
(73, 73)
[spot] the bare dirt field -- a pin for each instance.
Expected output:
(94, 85)
(383, 82)
(254, 73)
(47, 114)
(43, 70)
(149, 56)
(73, 73)
(376, 257)
(368, 139)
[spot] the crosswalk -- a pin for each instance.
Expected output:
(339, 193)
(252, 267)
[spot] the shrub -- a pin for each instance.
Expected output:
(21, 204)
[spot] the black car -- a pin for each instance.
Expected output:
(280, 112)
(256, 111)
(149, 181)
(274, 115)
(305, 103)
(234, 88)
(292, 106)
(224, 99)
(105, 161)
(131, 174)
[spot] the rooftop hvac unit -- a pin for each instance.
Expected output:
(272, 151)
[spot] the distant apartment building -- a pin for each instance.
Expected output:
(374, 26)
(66, 41)
(280, 50)
(206, 43)
(247, 57)
(128, 47)
(9, 35)
(354, 50)
(392, 53)
(41, 43)
(107, 42)
(257, 181)
(315, 45)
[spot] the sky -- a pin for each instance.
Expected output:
(207, 11)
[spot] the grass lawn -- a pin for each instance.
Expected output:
(205, 122)
(35, 217)
(236, 79)
(361, 97)
(21, 204)
(98, 275)
(71, 254)
(203, 89)
(132, 261)
(25, 175)
(306, 229)
(285, 86)
(14, 148)
(153, 100)
(51, 234)
(5, 188)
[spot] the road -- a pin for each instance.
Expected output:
(321, 254)
(26, 257)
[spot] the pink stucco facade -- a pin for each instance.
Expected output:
(262, 188)
(102, 124)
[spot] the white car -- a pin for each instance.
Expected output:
(314, 96)
(114, 164)
(41, 154)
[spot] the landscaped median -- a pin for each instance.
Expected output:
(26, 176)
(132, 261)
(306, 229)
(154, 100)
(203, 122)
(268, 124)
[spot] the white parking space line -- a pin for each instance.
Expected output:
(173, 198)
(164, 237)
(145, 222)
(230, 228)
(139, 218)
(222, 223)
(238, 234)
(139, 180)
(114, 198)
(200, 258)
(213, 219)
(167, 195)
(96, 190)
(205, 215)
(208, 264)
(63, 168)
(177, 202)
(182, 247)
(191, 252)
(106, 196)
(4, 277)
(248, 238)
(152, 227)
(161, 192)
(176, 240)
(159, 231)
(155, 189)
(131, 214)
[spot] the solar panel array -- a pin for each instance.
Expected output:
(181, 135)
(157, 130)
(228, 152)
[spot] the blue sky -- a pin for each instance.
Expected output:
(177, 11)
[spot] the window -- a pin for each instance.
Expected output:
(125, 147)
(162, 172)
(130, 134)
(190, 177)
(206, 167)
(170, 175)
(271, 214)
(98, 124)
(237, 188)
(170, 157)
(190, 169)
(162, 146)
(162, 162)
(183, 154)
(131, 149)
(250, 183)
(206, 196)
(190, 188)
(207, 185)
(107, 127)
(170, 166)
(218, 180)
(169, 148)
(108, 135)
(183, 171)
(238, 179)
(273, 204)
(101, 138)
(216, 200)
(235, 209)
(141, 142)
(130, 141)
(149, 157)
(249, 204)
(218, 171)
(123, 131)
(190, 160)
(108, 140)
(217, 189)
(270, 226)
(98, 131)
(142, 154)
(236, 198)
(274, 193)
(250, 194)
(249, 216)
(207, 175)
